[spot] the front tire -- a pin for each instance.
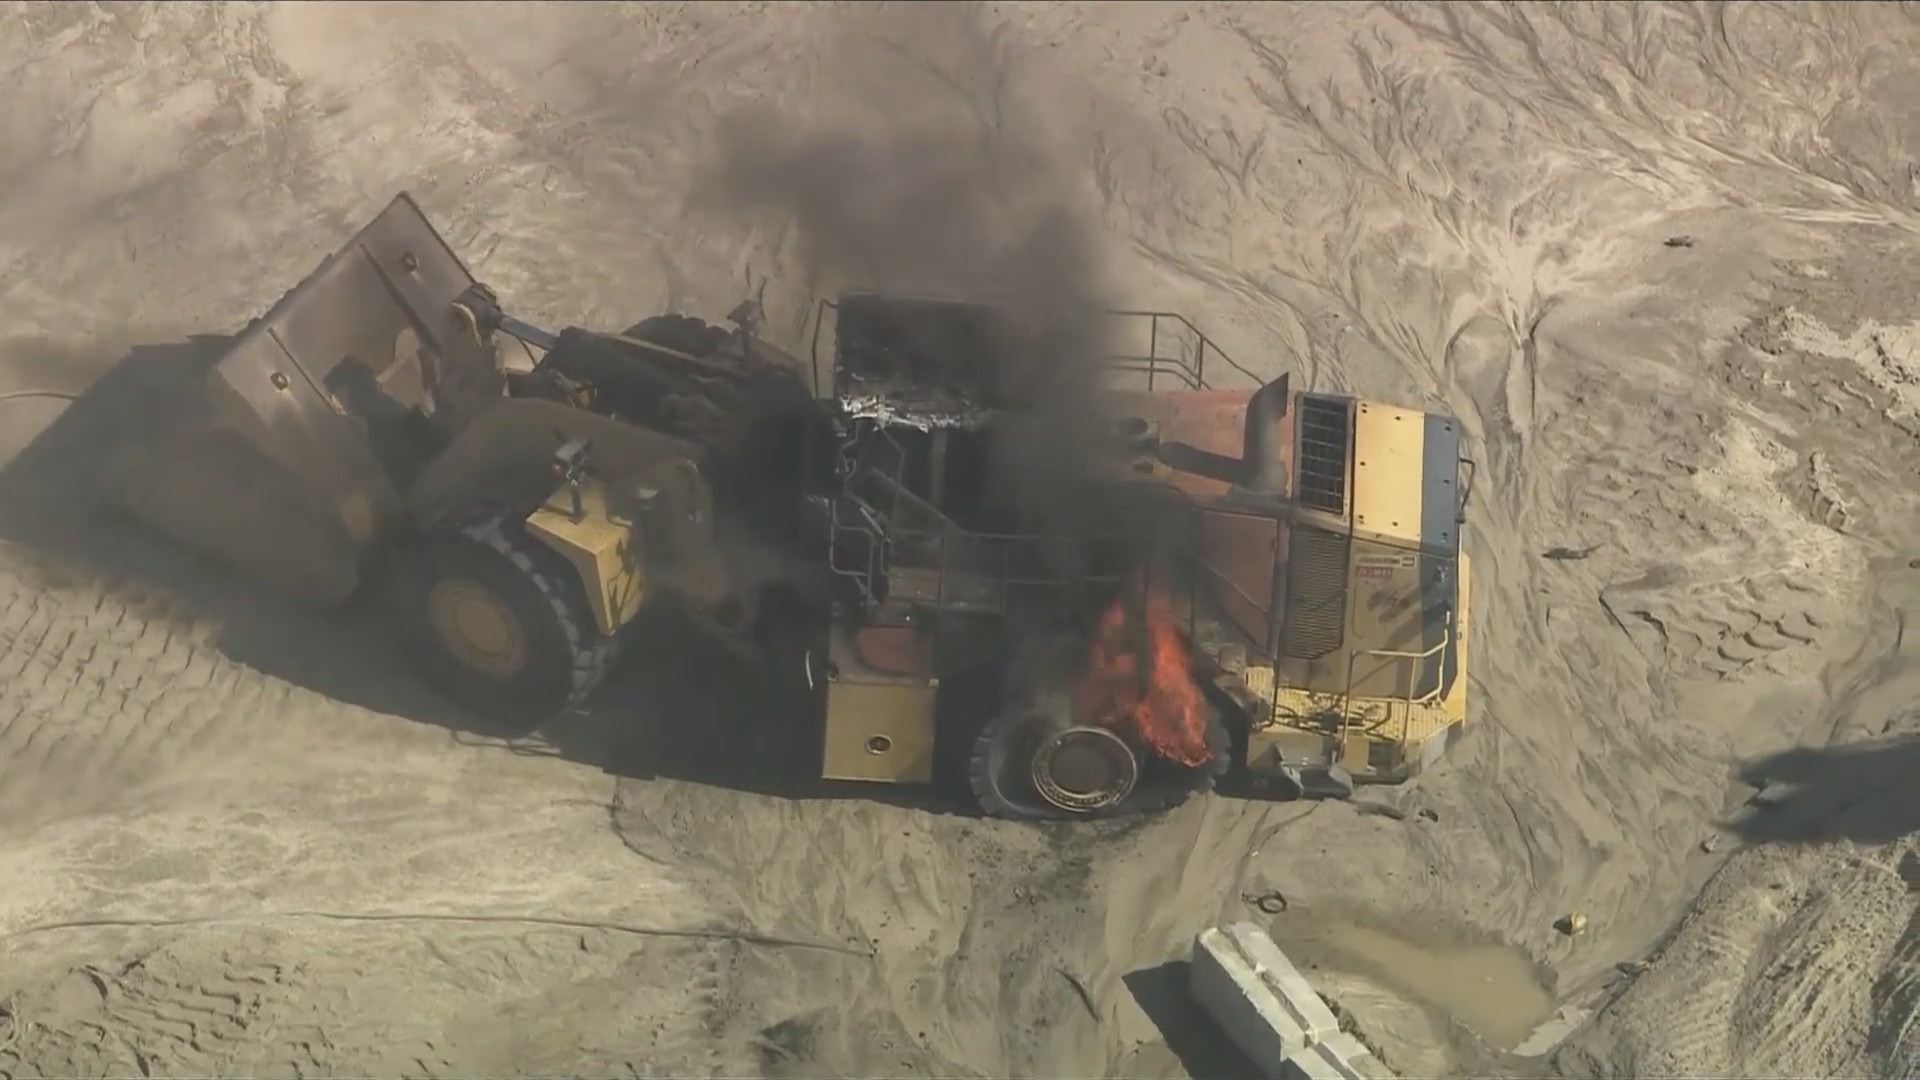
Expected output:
(497, 623)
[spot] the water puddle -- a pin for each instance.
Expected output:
(1495, 991)
(1411, 1034)
(1491, 989)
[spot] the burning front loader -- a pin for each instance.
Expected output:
(1278, 596)
(1269, 591)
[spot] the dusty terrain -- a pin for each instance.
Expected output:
(1660, 259)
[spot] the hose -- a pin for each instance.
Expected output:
(747, 937)
(57, 395)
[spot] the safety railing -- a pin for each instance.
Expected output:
(1400, 706)
(1417, 665)
(1174, 354)
(1177, 351)
(868, 539)
(967, 569)
(1350, 718)
(872, 544)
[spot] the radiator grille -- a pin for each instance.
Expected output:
(1316, 612)
(1326, 431)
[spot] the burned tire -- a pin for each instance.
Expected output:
(497, 623)
(681, 333)
(1084, 773)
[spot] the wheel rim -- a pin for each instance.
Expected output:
(477, 627)
(1084, 769)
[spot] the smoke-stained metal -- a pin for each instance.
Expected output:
(1264, 457)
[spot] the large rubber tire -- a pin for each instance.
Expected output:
(998, 771)
(682, 333)
(554, 655)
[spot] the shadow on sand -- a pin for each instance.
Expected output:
(1201, 1048)
(679, 706)
(1863, 792)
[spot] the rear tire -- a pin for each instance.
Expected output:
(497, 623)
(999, 771)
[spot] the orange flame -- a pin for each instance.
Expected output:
(1139, 678)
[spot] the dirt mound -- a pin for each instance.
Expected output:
(1802, 954)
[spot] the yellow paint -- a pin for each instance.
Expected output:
(879, 725)
(602, 549)
(478, 627)
(1389, 448)
(880, 732)
(1369, 719)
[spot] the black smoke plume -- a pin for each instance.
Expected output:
(918, 164)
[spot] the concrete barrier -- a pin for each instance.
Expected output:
(1244, 982)
(1267, 1009)
(1339, 1056)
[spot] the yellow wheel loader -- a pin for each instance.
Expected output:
(366, 435)
(1250, 586)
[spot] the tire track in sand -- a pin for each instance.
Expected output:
(102, 695)
(292, 999)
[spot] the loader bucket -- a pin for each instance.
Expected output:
(275, 463)
(213, 489)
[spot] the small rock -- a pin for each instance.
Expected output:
(1681, 241)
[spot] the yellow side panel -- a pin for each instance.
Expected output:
(879, 731)
(1388, 459)
(1455, 703)
(602, 549)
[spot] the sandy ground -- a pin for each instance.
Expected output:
(1660, 259)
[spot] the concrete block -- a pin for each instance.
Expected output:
(1242, 980)
(1339, 1056)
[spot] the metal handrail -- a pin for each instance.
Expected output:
(1191, 373)
(1407, 699)
(1194, 374)
(1004, 543)
(889, 533)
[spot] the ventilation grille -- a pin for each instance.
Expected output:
(1326, 431)
(1316, 594)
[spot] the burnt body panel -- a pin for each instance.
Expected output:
(1239, 571)
(1197, 427)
